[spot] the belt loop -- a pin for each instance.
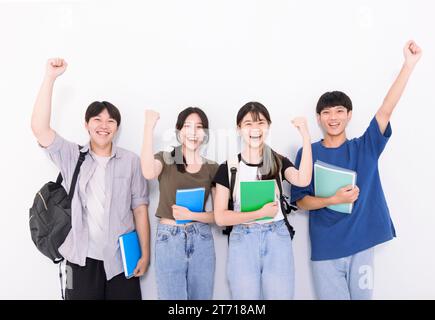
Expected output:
(195, 228)
(174, 230)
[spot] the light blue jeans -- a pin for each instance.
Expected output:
(260, 262)
(349, 278)
(185, 262)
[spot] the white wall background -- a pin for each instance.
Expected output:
(218, 55)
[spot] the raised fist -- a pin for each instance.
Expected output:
(301, 124)
(151, 118)
(55, 67)
(412, 53)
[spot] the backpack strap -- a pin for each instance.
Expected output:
(285, 206)
(59, 179)
(70, 196)
(62, 290)
(233, 179)
(76, 175)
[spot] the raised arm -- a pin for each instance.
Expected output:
(412, 53)
(42, 109)
(302, 177)
(151, 168)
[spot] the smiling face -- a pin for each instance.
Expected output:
(192, 134)
(334, 120)
(254, 129)
(102, 129)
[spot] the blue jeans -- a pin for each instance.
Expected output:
(260, 262)
(349, 278)
(185, 262)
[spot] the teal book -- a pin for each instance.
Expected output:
(255, 194)
(192, 199)
(328, 179)
(130, 252)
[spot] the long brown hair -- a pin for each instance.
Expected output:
(177, 152)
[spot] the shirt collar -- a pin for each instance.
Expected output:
(115, 150)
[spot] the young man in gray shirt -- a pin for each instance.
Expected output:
(110, 199)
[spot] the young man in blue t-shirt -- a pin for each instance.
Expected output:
(342, 244)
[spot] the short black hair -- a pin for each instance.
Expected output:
(333, 99)
(96, 107)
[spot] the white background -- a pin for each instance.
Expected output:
(218, 55)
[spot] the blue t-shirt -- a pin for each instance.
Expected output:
(336, 235)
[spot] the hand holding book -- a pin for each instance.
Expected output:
(181, 213)
(131, 255)
(141, 267)
(347, 194)
(269, 210)
(259, 195)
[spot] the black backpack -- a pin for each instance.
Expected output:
(50, 215)
(286, 207)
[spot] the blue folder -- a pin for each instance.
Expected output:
(130, 251)
(192, 199)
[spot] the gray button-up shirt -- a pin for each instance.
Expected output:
(126, 189)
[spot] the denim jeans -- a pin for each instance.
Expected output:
(260, 262)
(185, 262)
(349, 278)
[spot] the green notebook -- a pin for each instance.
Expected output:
(328, 179)
(255, 194)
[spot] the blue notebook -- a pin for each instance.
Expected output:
(328, 179)
(130, 251)
(192, 199)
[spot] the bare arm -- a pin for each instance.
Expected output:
(41, 115)
(225, 217)
(143, 231)
(302, 177)
(412, 53)
(151, 168)
(313, 203)
(343, 195)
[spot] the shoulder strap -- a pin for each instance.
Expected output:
(281, 194)
(59, 178)
(278, 180)
(75, 174)
(233, 179)
(233, 168)
(285, 206)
